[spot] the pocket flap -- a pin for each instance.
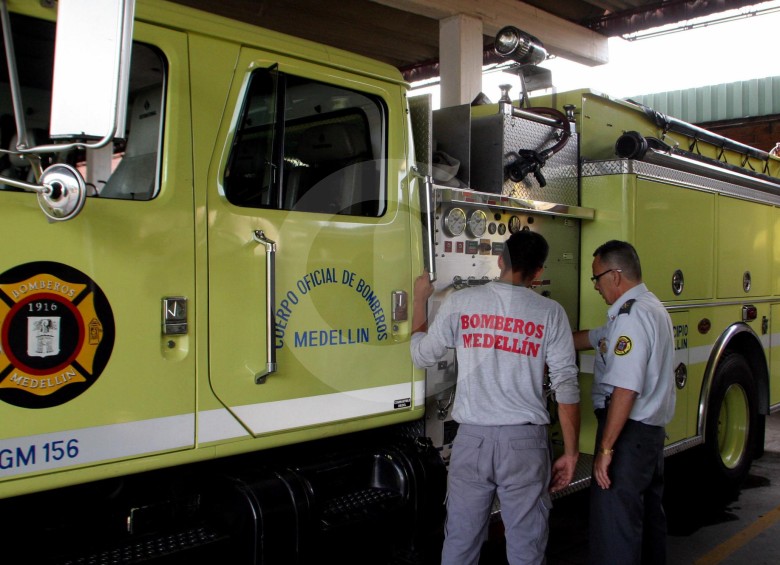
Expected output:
(467, 440)
(528, 443)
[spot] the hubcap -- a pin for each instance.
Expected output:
(733, 425)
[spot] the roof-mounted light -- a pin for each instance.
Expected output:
(524, 48)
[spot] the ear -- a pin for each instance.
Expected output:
(501, 263)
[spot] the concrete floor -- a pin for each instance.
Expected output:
(745, 528)
(705, 527)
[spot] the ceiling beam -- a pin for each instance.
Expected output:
(560, 37)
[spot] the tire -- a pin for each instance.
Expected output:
(732, 422)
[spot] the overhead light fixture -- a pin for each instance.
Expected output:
(520, 46)
(525, 50)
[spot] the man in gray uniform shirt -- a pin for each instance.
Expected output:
(504, 334)
(633, 396)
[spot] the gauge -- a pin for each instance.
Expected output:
(477, 223)
(501, 229)
(455, 221)
(514, 224)
(492, 228)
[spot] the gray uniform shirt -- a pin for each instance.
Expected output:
(504, 336)
(635, 351)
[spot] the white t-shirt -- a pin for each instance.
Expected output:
(504, 336)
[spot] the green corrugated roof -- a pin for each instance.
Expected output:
(743, 99)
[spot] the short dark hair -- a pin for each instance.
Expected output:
(620, 255)
(525, 252)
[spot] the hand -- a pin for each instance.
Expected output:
(423, 288)
(601, 470)
(562, 472)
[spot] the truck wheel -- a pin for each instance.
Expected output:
(731, 421)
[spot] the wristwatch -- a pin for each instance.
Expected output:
(603, 451)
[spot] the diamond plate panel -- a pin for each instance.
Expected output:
(496, 140)
(677, 177)
(422, 134)
(560, 171)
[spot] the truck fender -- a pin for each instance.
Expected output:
(741, 339)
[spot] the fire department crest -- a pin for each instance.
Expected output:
(623, 345)
(57, 334)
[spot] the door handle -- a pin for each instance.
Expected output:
(270, 300)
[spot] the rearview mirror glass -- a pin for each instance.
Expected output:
(91, 68)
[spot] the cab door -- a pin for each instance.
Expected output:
(308, 239)
(87, 374)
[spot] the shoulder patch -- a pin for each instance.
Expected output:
(626, 308)
(623, 345)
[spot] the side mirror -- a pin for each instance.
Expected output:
(86, 105)
(91, 69)
(65, 194)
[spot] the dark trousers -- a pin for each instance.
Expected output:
(627, 520)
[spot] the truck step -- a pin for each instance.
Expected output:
(359, 506)
(156, 548)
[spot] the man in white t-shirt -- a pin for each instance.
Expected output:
(504, 334)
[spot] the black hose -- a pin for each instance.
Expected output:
(564, 125)
(668, 123)
(632, 145)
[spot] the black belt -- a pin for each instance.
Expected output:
(601, 414)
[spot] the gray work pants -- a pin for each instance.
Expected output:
(513, 463)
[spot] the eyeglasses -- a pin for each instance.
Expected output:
(595, 278)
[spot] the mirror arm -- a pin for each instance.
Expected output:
(13, 76)
(39, 188)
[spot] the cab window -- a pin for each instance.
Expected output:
(308, 146)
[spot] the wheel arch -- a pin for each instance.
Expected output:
(737, 338)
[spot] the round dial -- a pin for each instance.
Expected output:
(477, 223)
(514, 224)
(455, 221)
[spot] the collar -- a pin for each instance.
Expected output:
(633, 292)
(510, 283)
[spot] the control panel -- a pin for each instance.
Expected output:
(470, 237)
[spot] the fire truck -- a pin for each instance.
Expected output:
(210, 249)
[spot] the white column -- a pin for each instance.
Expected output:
(460, 59)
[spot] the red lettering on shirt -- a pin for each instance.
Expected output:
(501, 323)
(488, 321)
(501, 342)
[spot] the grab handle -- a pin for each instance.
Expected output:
(270, 300)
